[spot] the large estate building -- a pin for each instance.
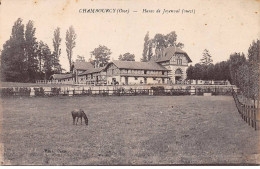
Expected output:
(169, 67)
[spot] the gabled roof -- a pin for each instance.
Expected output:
(138, 65)
(169, 52)
(61, 76)
(80, 65)
(93, 70)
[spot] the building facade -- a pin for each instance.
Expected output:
(175, 60)
(168, 68)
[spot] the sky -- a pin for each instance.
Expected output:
(223, 27)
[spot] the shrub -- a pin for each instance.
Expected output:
(7, 92)
(55, 91)
(24, 91)
(158, 90)
(39, 91)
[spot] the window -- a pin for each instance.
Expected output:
(136, 78)
(145, 72)
(154, 78)
(179, 62)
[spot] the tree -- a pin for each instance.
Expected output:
(13, 60)
(70, 43)
(47, 58)
(160, 42)
(102, 55)
(31, 46)
(150, 50)
(207, 58)
(146, 48)
(235, 60)
(40, 50)
(57, 51)
(127, 57)
(253, 64)
(190, 72)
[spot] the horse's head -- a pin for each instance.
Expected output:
(85, 117)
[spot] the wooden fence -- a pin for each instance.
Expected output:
(249, 113)
(156, 91)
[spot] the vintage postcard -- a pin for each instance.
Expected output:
(128, 82)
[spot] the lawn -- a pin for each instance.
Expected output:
(135, 130)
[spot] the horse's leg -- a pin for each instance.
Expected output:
(81, 120)
(74, 120)
(77, 120)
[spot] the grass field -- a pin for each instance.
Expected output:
(133, 130)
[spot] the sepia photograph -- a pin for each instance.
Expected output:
(129, 83)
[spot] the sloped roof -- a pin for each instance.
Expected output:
(61, 76)
(169, 52)
(138, 65)
(80, 65)
(93, 70)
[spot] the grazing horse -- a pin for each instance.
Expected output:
(79, 114)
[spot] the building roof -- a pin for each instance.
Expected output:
(143, 75)
(138, 65)
(169, 52)
(93, 70)
(61, 76)
(81, 65)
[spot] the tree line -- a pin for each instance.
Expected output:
(240, 70)
(26, 59)
(206, 70)
(244, 71)
(159, 42)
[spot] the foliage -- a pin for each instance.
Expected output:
(160, 42)
(70, 43)
(236, 60)
(127, 57)
(207, 58)
(39, 91)
(219, 71)
(150, 50)
(7, 92)
(146, 48)
(158, 90)
(245, 72)
(102, 55)
(31, 46)
(57, 51)
(13, 60)
(55, 91)
(46, 60)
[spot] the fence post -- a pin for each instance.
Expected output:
(32, 93)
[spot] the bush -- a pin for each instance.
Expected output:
(7, 92)
(199, 91)
(158, 90)
(23, 91)
(55, 91)
(39, 91)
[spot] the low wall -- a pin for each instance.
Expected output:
(119, 89)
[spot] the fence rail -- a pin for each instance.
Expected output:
(249, 113)
(156, 91)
